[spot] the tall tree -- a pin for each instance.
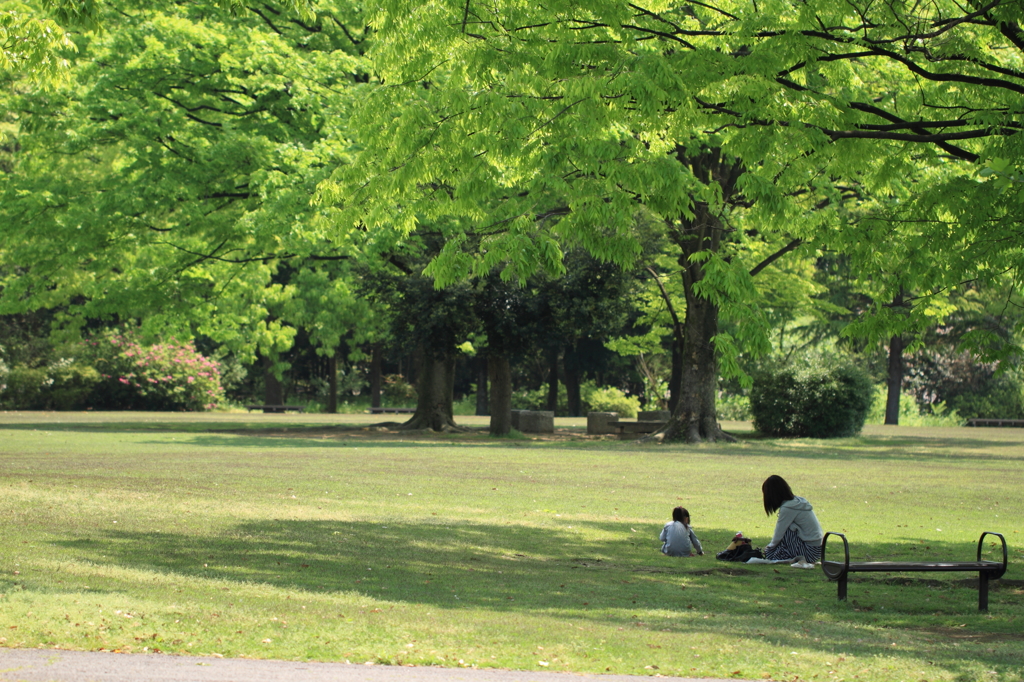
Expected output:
(541, 126)
(433, 322)
(506, 312)
(586, 306)
(169, 180)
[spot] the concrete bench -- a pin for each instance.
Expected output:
(533, 421)
(646, 422)
(987, 570)
(599, 423)
(630, 428)
(276, 409)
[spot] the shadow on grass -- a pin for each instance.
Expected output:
(963, 445)
(276, 436)
(911, 450)
(171, 426)
(968, 448)
(900, 448)
(506, 569)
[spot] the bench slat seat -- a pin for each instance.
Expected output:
(835, 568)
(987, 570)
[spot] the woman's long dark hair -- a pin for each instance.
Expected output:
(680, 513)
(775, 491)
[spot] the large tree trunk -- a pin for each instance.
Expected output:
(894, 380)
(375, 378)
(500, 374)
(332, 384)
(273, 390)
(675, 380)
(553, 379)
(894, 383)
(694, 418)
(573, 399)
(482, 407)
(435, 380)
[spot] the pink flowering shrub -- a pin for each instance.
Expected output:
(163, 376)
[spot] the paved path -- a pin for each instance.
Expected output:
(47, 665)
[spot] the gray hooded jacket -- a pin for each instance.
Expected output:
(797, 514)
(679, 540)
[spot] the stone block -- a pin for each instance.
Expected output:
(536, 421)
(597, 422)
(515, 418)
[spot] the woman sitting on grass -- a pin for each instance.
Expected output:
(797, 532)
(678, 536)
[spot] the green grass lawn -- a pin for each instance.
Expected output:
(273, 536)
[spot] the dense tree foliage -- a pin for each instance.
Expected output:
(168, 180)
(855, 127)
(31, 46)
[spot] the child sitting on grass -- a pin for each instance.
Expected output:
(678, 537)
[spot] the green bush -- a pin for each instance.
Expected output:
(64, 384)
(395, 391)
(815, 401)
(1002, 397)
(609, 399)
(115, 372)
(965, 384)
(71, 384)
(23, 388)
(593, 398)
(732, 407)
(525, 399)
(910, 413)
(171, 376)
(466, 406)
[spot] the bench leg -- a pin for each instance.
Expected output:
(842, 587)
(983, 590)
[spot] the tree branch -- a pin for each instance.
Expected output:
(677, 328)
(776, 256)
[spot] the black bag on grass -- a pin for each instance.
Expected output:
(740, 553)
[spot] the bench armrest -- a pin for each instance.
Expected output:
(981, 542)
(846, 550)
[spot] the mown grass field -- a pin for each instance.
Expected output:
(272, 536)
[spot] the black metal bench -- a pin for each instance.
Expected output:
(396, 410)
(987, 570)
